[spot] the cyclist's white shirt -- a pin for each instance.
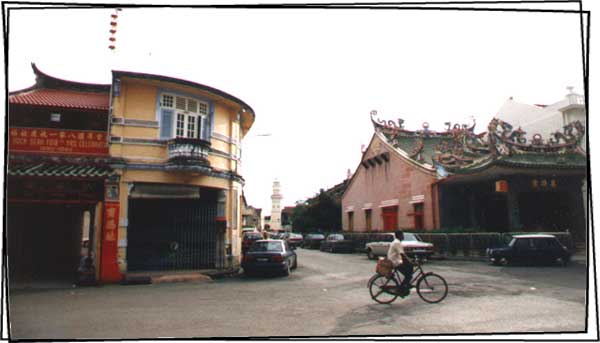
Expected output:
(395, 252)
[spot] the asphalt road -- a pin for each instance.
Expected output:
(325, 296)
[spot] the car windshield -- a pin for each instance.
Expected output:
(336, 237)
(411, 237)
(295, 235)
(316, 236)
(266, 246)
(252, 235)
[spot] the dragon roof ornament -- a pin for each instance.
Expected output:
(462, 148)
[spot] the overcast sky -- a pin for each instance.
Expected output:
(313, 75)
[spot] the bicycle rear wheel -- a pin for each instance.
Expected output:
(382, 289)
(432, 288)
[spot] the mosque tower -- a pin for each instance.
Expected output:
(276, 207)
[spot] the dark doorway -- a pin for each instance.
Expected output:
(493, 213)
(172, 234)
(546, 211)
(44, 243)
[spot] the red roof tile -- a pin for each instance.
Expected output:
(62, 98)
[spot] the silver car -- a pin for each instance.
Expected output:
(412, 244)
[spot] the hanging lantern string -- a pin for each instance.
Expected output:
(113, 29)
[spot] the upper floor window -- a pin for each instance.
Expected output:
(182, 116)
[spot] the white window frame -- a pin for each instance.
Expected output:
(190, 117)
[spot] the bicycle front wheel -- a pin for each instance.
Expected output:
(383, 289)
(432, 288)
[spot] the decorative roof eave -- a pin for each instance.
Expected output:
(43, 80)
(463, 151)
(497, 171)
(426, 167)
(46, 169)
(390, 127)
(248, 113)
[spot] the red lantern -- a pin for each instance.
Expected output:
(502, 186)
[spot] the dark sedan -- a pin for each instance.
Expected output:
(269, 255)
(530, 249)
(336, 242)
(312, 241)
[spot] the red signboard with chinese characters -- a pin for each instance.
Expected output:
(42, 140)
(109, 270)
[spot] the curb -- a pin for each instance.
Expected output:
(205, 276)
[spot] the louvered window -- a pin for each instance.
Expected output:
(183, 117)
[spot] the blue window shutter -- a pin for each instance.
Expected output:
(166, 123)
(208, 122)
(200, 134)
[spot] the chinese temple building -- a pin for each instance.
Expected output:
(493, 181)
(140, 175)
(57, 169)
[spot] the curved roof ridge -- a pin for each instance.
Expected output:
(43, 80)
(183, 82)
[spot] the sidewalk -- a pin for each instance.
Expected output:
(137, 278)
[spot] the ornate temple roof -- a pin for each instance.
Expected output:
(54, 92)
(459, 150)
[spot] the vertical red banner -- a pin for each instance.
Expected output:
(109, 270)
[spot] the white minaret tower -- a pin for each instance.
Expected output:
(276, 207)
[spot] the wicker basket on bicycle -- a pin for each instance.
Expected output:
(384, 267)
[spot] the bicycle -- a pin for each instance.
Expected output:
(431, 287)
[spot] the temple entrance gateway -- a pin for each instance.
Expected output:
(44, 242)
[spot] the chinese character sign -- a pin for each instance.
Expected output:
(57, 141)
(109, 270)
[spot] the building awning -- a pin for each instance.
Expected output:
(45, 169)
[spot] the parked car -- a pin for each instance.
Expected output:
(312, 241)
(336, 242)
(276, 235)
(269, 255)
(535, 248)
(248, 238)
(412, 244)
(294, 239)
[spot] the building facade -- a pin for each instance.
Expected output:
(152, 163)
(175, 146)
(57, 173)
(391, 189)
(496, 180)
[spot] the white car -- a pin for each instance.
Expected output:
(412, 244)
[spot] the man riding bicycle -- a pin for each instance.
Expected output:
(401, 262)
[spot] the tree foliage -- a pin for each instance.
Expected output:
(321, 213)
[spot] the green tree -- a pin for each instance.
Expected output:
(320, 213)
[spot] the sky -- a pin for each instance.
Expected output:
(313, 76)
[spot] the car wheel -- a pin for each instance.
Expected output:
(288, 269)
(504, 261)
(564, 261)
(370, 254)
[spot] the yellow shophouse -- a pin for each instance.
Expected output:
(175, 147)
